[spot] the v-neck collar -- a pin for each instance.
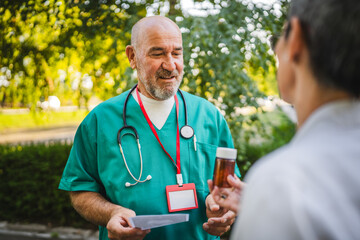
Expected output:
(158, 111)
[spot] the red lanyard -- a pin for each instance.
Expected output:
(177, 164)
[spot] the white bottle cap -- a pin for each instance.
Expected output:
(227, 153)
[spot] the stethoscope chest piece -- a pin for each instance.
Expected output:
(187, 132)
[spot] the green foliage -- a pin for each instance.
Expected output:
(29, 177)
(223, 51)
(260, 134)
(72, 49)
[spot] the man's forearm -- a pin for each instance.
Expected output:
(94, 207)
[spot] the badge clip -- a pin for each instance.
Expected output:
(179, 180)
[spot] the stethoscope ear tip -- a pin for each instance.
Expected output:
(148, 177)
(127, 184)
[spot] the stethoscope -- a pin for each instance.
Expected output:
(186, 132)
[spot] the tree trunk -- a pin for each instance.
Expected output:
(172, 10)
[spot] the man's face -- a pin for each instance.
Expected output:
(159, 62)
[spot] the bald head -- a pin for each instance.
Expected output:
(156, 53)
(144, 25)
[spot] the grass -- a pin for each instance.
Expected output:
(14, 122)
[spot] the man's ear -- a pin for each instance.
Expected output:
(296, 40)
(130, 53)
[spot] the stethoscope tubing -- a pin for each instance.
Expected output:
(136, 135)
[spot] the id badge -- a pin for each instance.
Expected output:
(181, 198)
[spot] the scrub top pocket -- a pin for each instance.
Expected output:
(200, 162)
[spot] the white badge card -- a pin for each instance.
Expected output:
(181, 198)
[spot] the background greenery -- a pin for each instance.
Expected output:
(29, 178)
(74, 49)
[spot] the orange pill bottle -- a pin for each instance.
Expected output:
(224, 166)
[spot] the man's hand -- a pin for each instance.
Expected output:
(119, 226)
(96, 209)
(219, 219)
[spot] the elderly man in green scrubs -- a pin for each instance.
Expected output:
(108, 185)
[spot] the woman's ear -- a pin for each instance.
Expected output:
(295, 40)
(130, 53)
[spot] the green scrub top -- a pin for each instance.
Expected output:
(96, 164)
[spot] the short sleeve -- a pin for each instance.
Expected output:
(81, 172)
